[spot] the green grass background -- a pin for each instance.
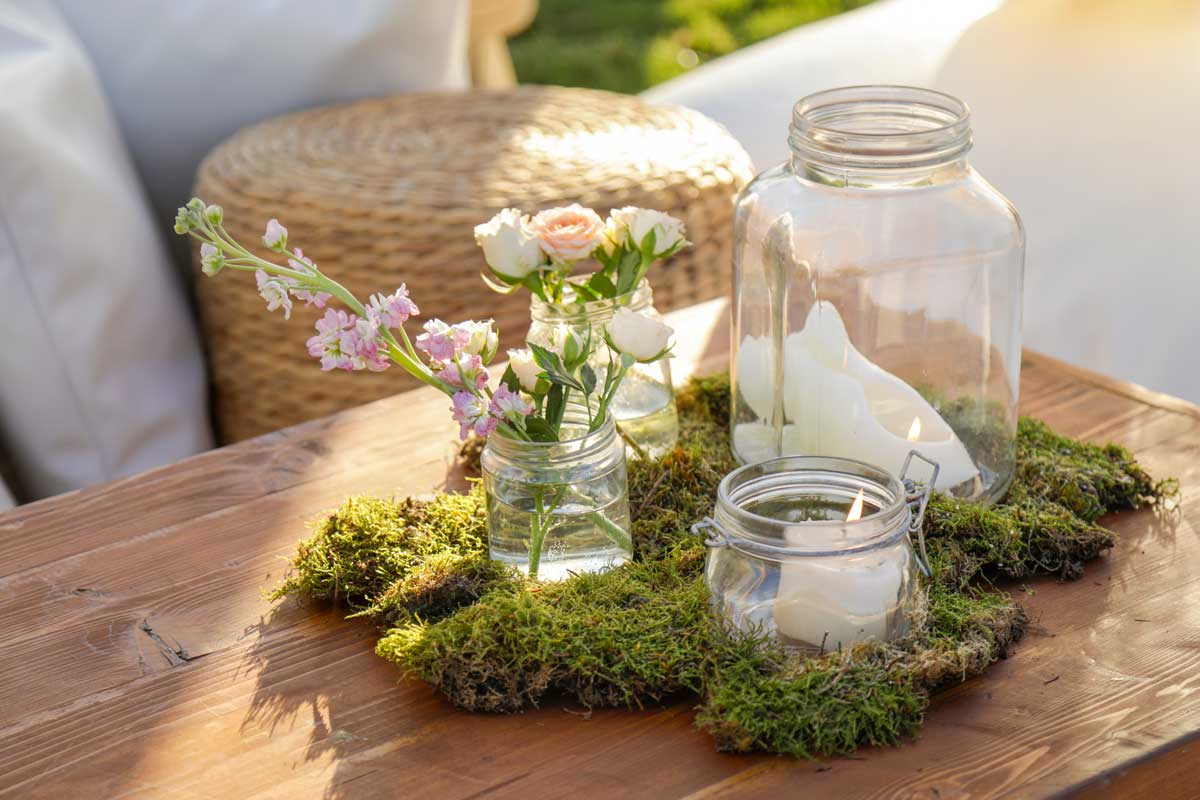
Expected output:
(630, 45)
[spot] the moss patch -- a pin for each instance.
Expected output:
(491, 640)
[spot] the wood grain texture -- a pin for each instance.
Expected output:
(138, 658)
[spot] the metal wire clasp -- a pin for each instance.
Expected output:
(917, 496)
(714, 535)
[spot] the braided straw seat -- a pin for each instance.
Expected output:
(388, 191)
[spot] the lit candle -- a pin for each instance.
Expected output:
(838, 600)
(837, 402)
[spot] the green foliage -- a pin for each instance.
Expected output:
(630, 45)
(368, 544)
(491, 640)
(619, 638)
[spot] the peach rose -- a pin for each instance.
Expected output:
(569, 233)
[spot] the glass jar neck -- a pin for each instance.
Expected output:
(581, 446)
(787, 484)
(865, 136)
(591, 312)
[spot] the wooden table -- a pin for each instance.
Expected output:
(138, 657)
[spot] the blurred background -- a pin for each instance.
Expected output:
(631, 45)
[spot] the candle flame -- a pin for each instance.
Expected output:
(914, 432)
(856, 508)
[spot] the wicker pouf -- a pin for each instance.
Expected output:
(387, 191)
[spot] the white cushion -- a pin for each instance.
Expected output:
(100, 373)
(751, 92)
(183, 76)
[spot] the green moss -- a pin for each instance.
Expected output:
(492, 640)
(368, 544)
(439, 585)
(619, 638)
(1088, 479)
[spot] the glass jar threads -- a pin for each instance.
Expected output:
(877, 303)
(644, 406)
(815, 550)
(558, 507)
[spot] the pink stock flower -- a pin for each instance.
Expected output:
(345, 341)
(305, 265)
(327, 344)
(510, 405)
(392, 310)
(275, 292)
(471, 414)
(568, 233)
(361, 343)
(465, 372)
(276, 236)
(441, 341)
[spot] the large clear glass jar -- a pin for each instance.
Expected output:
(877, 302)
(644, 406)
(785, 560)
(558, 507)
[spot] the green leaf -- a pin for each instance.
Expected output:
(564, 380)
(540, 430)
(555, 406)
(647, 247)
(601, 285)
(510, 379)
(533, 282)
(627, 272)
(546, 359)
(588, 376)
(584, 293)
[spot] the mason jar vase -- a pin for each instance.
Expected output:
(786, 557)
(644, 406)
(877, 302)
(555, 508)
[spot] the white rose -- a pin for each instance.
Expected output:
(638, 335)
(525, 368)
(510, 248)
(480, 339)
(633, 224)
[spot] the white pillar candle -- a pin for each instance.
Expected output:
(839, 403)
(836, 601)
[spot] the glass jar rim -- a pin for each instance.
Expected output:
(579, 448)
(637, 299)
(880, 127)
(737, 524)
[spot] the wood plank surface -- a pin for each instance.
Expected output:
(138, 657)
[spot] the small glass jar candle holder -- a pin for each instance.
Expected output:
(644, 407)
(816, 550)
(558, 507)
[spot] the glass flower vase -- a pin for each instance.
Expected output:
(644, 406)
(555, 508)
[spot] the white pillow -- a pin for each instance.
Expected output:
(100, 372)
(183, 76)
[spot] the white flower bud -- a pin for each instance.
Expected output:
(525, 368)
(634, 224)
(638, 335)
(211, 260)
(276, 236)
